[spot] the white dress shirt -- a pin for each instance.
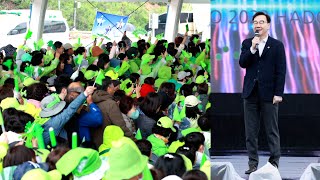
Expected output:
(261, 46)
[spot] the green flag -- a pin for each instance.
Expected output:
(195, 40)
(138, 135)
(176, 114)
(28, 35)
(207, 45)
(160, 36)
(186, 54)
(166, 45)
(50, 43)
(203, 159)
(8, 63)
(79, 59)
(100, 78)
(183, 112)
(16, 79)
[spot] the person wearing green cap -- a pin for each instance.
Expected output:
(159, 138)
(125, 161)
(83, 163)
(111, 133)
(147, 69)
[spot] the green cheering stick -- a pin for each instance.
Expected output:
(52, 137)
(74, 140)
(187, 27)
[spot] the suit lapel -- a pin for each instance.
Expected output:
(267, 47)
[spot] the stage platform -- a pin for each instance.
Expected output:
(290, 167)
(299, 122)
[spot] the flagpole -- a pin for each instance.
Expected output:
(96, 79)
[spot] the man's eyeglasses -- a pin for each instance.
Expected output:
(259, 22)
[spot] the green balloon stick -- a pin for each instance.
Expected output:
(52, 137)
(74, 140)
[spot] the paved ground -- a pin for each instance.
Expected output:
(289, 167)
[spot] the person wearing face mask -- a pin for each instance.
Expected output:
(196, 140)
(129, 112)
(159, 138)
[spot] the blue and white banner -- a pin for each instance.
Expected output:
(109, 24)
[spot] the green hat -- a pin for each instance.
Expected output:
(9, 102)
(40, 174)
(29, 81)
(175, 145)
(110, 133)
(26, 57)
(166, 122)
(158, 82)
(90, 74)
(123, 86)
(125, 160)
(146, 58)
(146, 69)
(188, 131)
(42, 154)
(113, 75)
(200, 79)
(164, 72)
(84, 163)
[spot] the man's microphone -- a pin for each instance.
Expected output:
(256, 34)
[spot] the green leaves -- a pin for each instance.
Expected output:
(137, 32)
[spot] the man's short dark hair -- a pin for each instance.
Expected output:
(262, 13)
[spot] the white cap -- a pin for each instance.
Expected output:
(183, 74)
(67, 46)
(191, 101)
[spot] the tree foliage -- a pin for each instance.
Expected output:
(86, 13)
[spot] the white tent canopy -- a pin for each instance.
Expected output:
(39, 8)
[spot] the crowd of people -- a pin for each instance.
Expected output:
(125, 110)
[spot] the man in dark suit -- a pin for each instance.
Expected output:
(264, 59)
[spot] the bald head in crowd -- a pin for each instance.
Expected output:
(74, 90)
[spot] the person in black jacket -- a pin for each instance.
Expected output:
(264, 59)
